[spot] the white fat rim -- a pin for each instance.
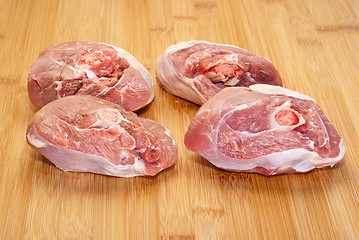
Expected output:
(59, 155)
(276, 90)
(301, 160)
(136, 65)
(175, 84)
(182, 45)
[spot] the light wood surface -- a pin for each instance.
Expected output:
(314, 45)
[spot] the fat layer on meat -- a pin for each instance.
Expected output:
(89, 68)
(265, 129)
(84, 133)
(197, 70)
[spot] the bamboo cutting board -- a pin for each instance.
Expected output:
(313, 44)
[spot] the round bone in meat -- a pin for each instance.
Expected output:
(265, 129)
(89, 134)
(89, 68)
(197, 70)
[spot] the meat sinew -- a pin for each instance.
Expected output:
(197, 70)
(265, 129)
(89, 68)
(88, 134)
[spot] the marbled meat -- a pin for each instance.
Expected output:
(197, 70)
(265, 129)
(84, 133)
(89, 68)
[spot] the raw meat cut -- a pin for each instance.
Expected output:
(265, 129)
(89, 68)
(197, 70)
(89, 134)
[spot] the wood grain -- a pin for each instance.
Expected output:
(314, 45)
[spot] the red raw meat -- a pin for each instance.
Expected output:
(197, 70)
(265, 129)
(89, 68)
(89, 134)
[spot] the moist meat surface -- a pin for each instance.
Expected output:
(85, 133)
(197, 70)
(241, 129)
(89, 68)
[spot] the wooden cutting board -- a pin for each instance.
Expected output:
(314, 45)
